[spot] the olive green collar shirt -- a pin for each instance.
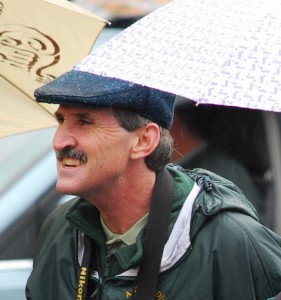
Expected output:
(116, 241)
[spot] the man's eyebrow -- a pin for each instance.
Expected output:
(83, 114)
(79, 114)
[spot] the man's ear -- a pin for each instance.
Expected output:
(146, 140)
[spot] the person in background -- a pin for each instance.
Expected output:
(202, 139)
(112, 146)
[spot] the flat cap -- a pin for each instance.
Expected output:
(83, 88)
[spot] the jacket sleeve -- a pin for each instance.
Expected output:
(238, 258)
(52, 264)
(256, 252)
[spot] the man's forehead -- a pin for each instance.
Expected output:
(79, 108)
(83, 111)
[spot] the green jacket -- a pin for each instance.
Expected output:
(216, 249)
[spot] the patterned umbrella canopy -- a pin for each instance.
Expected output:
(225, 52)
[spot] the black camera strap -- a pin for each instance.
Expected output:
(155, 236)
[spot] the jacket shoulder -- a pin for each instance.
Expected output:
(54, 223)
(57, 215)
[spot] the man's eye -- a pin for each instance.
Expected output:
(60, 120)
(85, 122)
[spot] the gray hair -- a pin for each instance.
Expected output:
(162, 154)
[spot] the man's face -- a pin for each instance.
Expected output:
(93, 150)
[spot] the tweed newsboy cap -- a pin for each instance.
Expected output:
(83, 88)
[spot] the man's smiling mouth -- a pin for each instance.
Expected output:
(71, 157)
(71, 162)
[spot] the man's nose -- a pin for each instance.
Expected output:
(63, 138)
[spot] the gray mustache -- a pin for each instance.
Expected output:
(71, 153)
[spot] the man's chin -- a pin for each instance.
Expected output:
(65, 189)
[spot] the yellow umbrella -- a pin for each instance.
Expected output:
(39, 40)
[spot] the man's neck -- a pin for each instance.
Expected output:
(124, 205)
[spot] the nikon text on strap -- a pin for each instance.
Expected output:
(81, 291)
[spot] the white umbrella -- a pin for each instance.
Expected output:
(39, 40)
(225, 52)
